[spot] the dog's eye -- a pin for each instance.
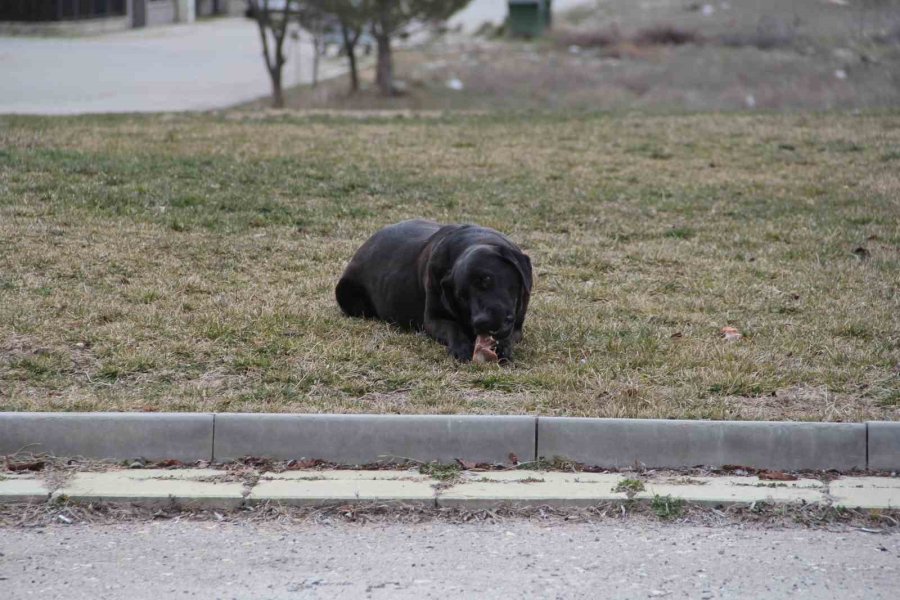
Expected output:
(485, 281)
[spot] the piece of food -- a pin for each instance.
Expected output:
(485, 349)
(731, 334)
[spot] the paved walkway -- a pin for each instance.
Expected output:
(205, 65)
(214, 488)
(515, 559)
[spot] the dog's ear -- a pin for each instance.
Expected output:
(448, 294)
(522, 264)
(439, 277)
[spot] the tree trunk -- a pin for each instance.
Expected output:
(354, 75)
(274, 64)
(277, 91)
(350, 49)
(384, 70)
(316, 55)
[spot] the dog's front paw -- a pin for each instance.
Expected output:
(462, 351)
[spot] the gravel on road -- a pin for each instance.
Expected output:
(519, 558)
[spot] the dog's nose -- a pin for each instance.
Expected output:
(482, 323)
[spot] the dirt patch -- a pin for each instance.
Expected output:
(367, 514)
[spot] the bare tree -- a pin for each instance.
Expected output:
(392, 17)
(315, 18)
(385, 19)
(346, 18)
(273, 25)
(351, 38)
(353, 17)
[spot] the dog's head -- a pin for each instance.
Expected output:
(488, 289)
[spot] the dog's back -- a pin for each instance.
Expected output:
(382, 280)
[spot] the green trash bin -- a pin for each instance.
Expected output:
(528, 18)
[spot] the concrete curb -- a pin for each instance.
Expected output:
(884, 445)
(618, 443)
(154, 436)
(358, 439)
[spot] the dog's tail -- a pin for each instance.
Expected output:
(354, 299)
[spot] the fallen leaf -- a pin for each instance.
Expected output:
(591, 468)
(169, 463)
(36, 465)
(306, 463)
(777, 476)
(677, 334)
(465, 464)
(256, 461)
(861, 253)
(732, 468)
(731, 334)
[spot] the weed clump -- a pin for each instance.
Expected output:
(667, 507)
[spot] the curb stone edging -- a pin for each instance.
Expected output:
(154, 436)
(360, 439)
(654, 443)
(883, 443)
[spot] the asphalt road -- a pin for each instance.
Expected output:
(514, 559)
(204, 65)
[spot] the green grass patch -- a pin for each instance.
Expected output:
(441, 472)
(189, 262)
(630, 487)
(667, 508)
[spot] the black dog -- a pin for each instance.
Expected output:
(455, 281)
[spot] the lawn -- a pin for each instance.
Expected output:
(187, 263)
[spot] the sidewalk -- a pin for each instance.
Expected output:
(200, 66)
(217, 488)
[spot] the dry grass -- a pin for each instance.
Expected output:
(622, 73)
(770, 516)
(666, 55)
(188, 263)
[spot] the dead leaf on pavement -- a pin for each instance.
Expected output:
(466, 464)
(777, 476)
(257, 462)
(36, 465)
(307, 463)
(742, 468)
